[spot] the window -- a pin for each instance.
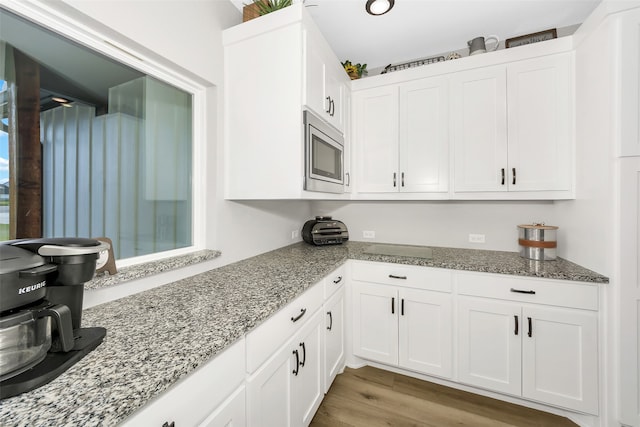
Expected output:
(91, 147)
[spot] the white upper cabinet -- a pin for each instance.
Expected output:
(424, 135)
(326, 81)
(479, 122)
(540, 124)
(513, 127)
(276, 66)
(401, 132)
(376, 139)
(375, 130)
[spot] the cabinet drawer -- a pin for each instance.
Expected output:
(526, 289)
(334, 281)
(405, 275)
(263, 341)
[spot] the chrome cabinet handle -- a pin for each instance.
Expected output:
(332, 108)
(393, 276)
(515, 316)
(338, 280)
(530, 333)
(402, 178)
(514, 175)
(402, 307)
(394, 179)
(348, 179)
(502, 183)
(393, 305)
(298, 317)
(330, 321)
(328, 110)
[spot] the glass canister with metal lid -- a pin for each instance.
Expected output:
(538, 241)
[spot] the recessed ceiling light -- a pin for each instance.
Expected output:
(67, 105)
(379, 7)
(60, 100)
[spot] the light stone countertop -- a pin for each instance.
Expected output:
(160, 335)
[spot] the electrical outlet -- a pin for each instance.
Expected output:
(369, 234)
(476, 238)
(294, 234)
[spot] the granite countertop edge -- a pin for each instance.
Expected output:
(195, 319)
(147, 269)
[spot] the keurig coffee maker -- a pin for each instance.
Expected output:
(41, 292)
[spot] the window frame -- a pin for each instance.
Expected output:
(119, 49)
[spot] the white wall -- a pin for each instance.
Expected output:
(446, 223)
(186, 35)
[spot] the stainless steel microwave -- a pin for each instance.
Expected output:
(324, 156)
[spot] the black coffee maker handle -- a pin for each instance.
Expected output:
(62, 316)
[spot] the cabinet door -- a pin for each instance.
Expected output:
(424, 135)
(560, 357)
(314, 77)
(231, 413)
(308, 384)
(479, 120)
(376, 139)
(269, 390)
(540, 123)
(425, 332)
(348, 145)
(489, 345)
(375, 322)
(334, 338)
(334, 79)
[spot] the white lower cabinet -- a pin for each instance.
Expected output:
(409, 328)
(334, 337)
(288, 388)
(425, 332)
(231, 413)
(546, 354)
(375, 333)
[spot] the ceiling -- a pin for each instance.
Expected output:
(416, 29)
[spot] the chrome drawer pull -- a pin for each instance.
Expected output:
(393, 276)
(338, 280)
(520, 291)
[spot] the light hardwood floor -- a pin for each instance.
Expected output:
(372, 397)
